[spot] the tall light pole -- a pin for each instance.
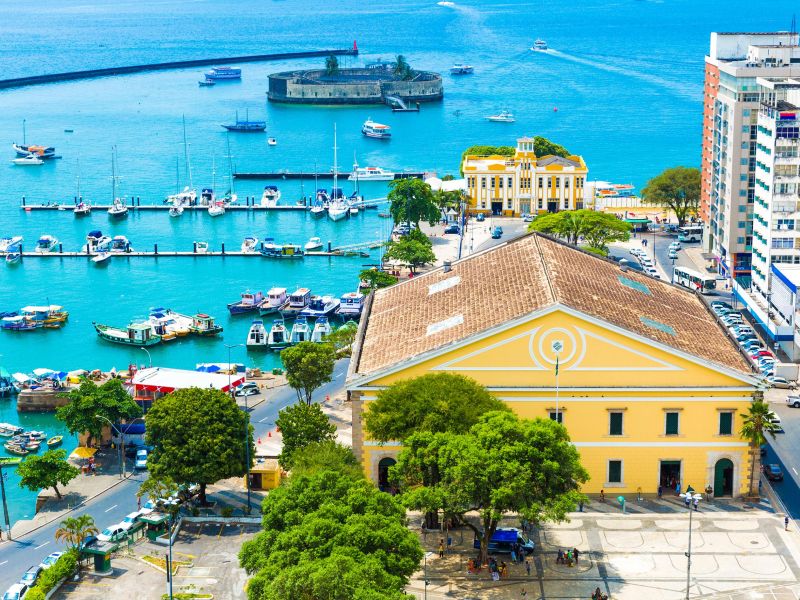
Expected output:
(149, 358)
(246, 423)
(120, 449)
(5, 506)
(427, 554)
(690, 498)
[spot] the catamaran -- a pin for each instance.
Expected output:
(371, 129)
(371, 174)
(223, 73)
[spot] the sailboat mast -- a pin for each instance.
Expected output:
(186, 155)
(230, 161)
(113, 174)
(177, 176)
(335, 160)
(24, 134)
(78, 177)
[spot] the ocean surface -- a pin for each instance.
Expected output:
(622, 86)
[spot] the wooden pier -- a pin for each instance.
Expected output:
(156, 253)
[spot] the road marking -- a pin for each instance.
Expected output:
(795, 471)
(264, 420)
(112, 508)
(41, 546)
(2, 563)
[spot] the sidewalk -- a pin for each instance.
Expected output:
(445, 247)
(636, 243)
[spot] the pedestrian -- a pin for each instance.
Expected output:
(660, 492)
(503, 570)
(580, 506)
(577, 554)
(786, 523)
(513, 554)
(602, 496)
(560, 557)
(528, 567)
(441, 548)
(138, 503)
(688, 500)
(570, 558)
(696, 502)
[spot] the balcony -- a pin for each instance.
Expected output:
(784, 207)
(786, 159)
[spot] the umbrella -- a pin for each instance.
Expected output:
(21, 377)
(42, 372)
(212, 368)
(202, 369)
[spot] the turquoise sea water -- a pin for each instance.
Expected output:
(625, 76)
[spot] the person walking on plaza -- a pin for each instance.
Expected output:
(696, 502)
(660, 492)
(441, 548)
(528, 567)
(576, 554)
(560, 557)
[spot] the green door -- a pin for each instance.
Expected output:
(723, 478)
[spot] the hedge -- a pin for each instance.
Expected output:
(64, 567)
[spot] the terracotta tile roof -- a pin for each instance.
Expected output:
(525, 275)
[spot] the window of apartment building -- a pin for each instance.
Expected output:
(671, 422)
(566, 183)
(549, 182)
(726, 422)
(501, 183)
(614, 471)
(741, 224)
(510, 182)
(556, 416)
(785, 224)
(541, 182)
(782, 243)
(746, 112)
(509, 204)
(483, 183)
(615, 423)
(494, 182)
(743, 161)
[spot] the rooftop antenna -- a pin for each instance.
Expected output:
(793, 29)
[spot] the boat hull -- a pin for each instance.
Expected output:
(103, 332)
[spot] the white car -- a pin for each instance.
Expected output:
(147, 508)
(16, 592)
(793, 401)
(130, 520)
(50, 560)
(676, 245)
(141, 460)
(113, 533)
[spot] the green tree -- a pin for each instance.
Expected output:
(414, 249)
(308, 365)
(445, 200)
(331, 65)
(757, 423)
(376, 278)
(544, 147)
(503, 465)
(302, 424)
(325, 456)
(157, 488)
(594, 228)
(402, 69)
(411, 200)
(73, 530)
(342, 338)
(677, 188)
(109, 400)
(46, 471)
(198, 436)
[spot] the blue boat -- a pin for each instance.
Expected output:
(224, 73)
(246, 126)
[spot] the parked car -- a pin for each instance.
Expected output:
(244, 392)
(113, 534)
(31, 575)
(780, 382)
(452, 229)
(148, 507)
(773, 472)
(527, 218)
(89, 540)
(504, 539)
(776, 420)
(480, 218)
(793, 401)
(50, 560)
(497, 233)
(16, 592)
(676, 245)
(130, 520)
(672, 255)
(141, 460)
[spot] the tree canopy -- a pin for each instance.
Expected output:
(376, 278)
(436, 402)
(677, 188)
(502, 465)
(411, 200)
(595, 229)
(402, 69)
(48, 470)
(331, 65)
(325, 456)
(302, 424)
(544, 147)
(757, 424)
(73, 530)
(342, 338)
(109, 400)
(308, 365)
(413, 249)
(198, 436)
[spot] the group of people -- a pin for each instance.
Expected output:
(568, 557)
(599, 595)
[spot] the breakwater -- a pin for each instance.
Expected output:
(19, 82)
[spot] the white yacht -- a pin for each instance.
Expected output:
(351, 305)
(322, 328)
(176, 210)
(503, 117)
(278, 336)
(249, 244)
(118, 209)
(338, 210)
(314, 243)
(8, 242)
(82, 209)
(257, 337)
(271, 196)
(275, 301)
(28, 160)
(379, 131)
(461, 69)
(371, 174)
(216, 210)
(187, 197)
(320, 306)
(46, 243)
(539, 45)
(301, 332)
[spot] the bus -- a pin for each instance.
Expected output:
(697, 282)
(690, 233)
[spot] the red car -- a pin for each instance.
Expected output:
(761, 353)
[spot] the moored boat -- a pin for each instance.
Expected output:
(43, 152)
(272, 250)
(317, 210)
(246, 126)
(8, 242)
(135, 334)
(82, 209)
(15, 449)
(320, 306)
(301, 332)
(118, 209)
(271, 196)
(27, 161)
(276, 299)
(314, 243)
(278, 338)
(248, 302)
(201, 247)
(55, 441)
(338, 210)
(297, 301)
(379, 131)
(48, 316)
(322, 328)
(9, 430)
(249, 244)
(216, 210)
(257, 336)
(371, 174)
(13, 256)
(101, 257)
(204, 325)
(17, 323)
(351, 305)
(46, 243)
(176, 210)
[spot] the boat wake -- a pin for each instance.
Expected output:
(447, 4)
(673, 87)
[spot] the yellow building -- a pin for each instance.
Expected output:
(649, 386)
(524, 183)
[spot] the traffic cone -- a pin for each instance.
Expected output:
(269, 434)
(259, 440)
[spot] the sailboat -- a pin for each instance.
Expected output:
(337, 209)
(217, 207)
(188, 196)
(81, 208)
(118, 208)
(230, 196)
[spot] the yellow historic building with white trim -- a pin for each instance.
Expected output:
(524, 183)
(649, 386)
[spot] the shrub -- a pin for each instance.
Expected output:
(64, 567)
(277, 371)
(226, 511)
(35, 594)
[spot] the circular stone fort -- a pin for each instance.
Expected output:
(373, 84)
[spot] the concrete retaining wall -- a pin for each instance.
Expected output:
(41, 401)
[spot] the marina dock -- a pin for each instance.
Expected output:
(323, 175)
(156, 253)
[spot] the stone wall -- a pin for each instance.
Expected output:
(41, 401)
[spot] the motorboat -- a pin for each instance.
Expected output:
(55, 441)
(45, 244)
(503, 117)
(275, 301)
(461, 69)
(10, 430)
(322, 329)
(338, 210)
(201, 247)
(13, 255)
(272, 142)
(28, 160)
(301, 332)
(7, 242)
(353, 210)
(186, 197)
(120, 244)
(82, 209)
(257, 336)
(371, 174)
(206, 83)
(51, 316)
(371, 129)
(118, 209)
(43, 152)
(539, 45)
(351, 305)
(314, 243)
(320, 306)
(297, 301)
(216, 210)
(278, 338)
(207, 197)
(271, 196)
(271, 250)
(317, 210)
(175, 210)
(246, 126)
(135, 334)
(17, 323)
(250, 244)
(249, 302)
(94, 239)
(223, 74)
(101, 257)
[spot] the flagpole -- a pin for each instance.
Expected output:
(557, 415)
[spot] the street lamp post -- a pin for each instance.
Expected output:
(5, 506)
(690, 498)
(120, 448)
(427, 554)
(246, 423)
(149, 358)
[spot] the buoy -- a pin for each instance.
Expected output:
(555, 109)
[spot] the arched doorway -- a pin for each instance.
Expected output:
(383, 473)
(723, 478)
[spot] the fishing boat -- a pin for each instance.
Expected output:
(539, 45)
(281, 251)
(272, 142)
(55, 441)
(216, 210)
(371, 129)
(135, 334)
(461, 69)
(371, 174)
(82, 209)
(278, 338)
(206, 82)
(320, 306)
(9, 430)
(15, 449)
(276, 299)
(176, 210)
(246, 126)
(503, 117)
(223, 74)
(257, 336)
(28, 161)
(249, 302)
(164, 326)
(118, 209)
(46, 243)
(13, 256)
(298, 300)
(271, 196)
(250, 244)
(35, 435)
(204, 325)
(17, 323)
(313, 244)
(301, 332)
(51, 315)
(43, 152)
(322, 329)
(351, 305)
(7, 242)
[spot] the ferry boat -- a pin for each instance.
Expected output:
(351, 305)
(314, 243)
(135, 334)
(118, 209)
(276, 300)
(223, 73)
(8, 242)
(249, 244)
(371, 174)
(539, 45)
(271, 250)
(322, 328)
(271, 196)
(246, 126)
(29, 160)
(43, 152)
(504, 117)
(278, 338)
(46, 243)
(301, 332)
(320, 306)
(249, 302)
(371, 129)
(298, 300)
(82, 209)
(461, 69)
(257, 336)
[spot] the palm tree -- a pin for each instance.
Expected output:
(331, 65)
(758, 421)
(402, 69)
(74, 530)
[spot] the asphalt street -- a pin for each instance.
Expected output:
(111, 506)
